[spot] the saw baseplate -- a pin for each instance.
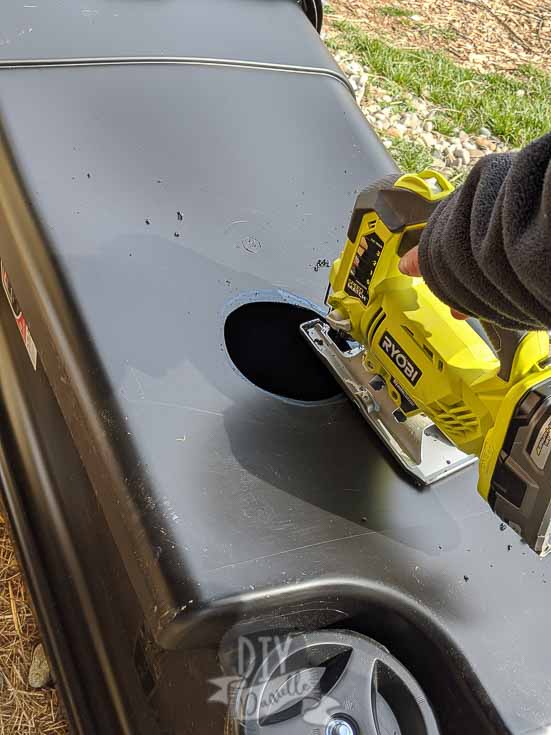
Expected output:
(418, 445)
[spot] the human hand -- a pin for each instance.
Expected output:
(409, 266)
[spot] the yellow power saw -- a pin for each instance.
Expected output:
(440, 392)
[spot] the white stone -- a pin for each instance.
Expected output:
(412, 121)
(465, 156)
(428, 139)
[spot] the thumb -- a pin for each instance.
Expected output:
(409, 264)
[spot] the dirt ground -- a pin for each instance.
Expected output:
(489, 35)
(23, 711)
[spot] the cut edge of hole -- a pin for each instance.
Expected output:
(273, 328)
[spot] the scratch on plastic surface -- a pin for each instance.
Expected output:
(291, 550)
(235, 222)
(87, 12)
(174, 404)
(138, 382)
(169, 510)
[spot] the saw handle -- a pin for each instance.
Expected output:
(505, 343)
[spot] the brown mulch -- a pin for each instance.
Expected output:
(488, 35)
(23, 710)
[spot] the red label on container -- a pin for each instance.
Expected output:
(20, 320)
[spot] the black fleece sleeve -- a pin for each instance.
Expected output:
(486, 250)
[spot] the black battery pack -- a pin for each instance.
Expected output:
(520, 492)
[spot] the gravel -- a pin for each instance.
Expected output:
(404, 116)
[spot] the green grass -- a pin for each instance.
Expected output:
(468, 99)
(444, 125)
(392, 11)
(411, 157)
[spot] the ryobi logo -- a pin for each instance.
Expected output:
(405, 364)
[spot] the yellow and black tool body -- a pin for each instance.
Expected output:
(431, 385)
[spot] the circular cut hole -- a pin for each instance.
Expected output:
(265, 344)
